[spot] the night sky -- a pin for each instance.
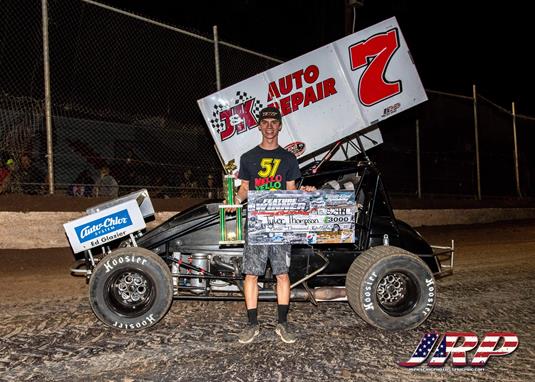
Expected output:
(453, 44)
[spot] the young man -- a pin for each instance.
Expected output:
(267, 167)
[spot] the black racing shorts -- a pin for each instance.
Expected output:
(255, 259)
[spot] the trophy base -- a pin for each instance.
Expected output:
(231, 242)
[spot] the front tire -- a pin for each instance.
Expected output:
(391, 288)
(131, 289)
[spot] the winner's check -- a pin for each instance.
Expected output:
(298, 217)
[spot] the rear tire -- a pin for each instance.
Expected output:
(131, 289)
(391, 288)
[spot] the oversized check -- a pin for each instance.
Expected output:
(299, 217)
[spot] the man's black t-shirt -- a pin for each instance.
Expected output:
(268, 169)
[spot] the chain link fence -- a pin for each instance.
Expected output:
(526, 155)
(434, 148)
(437, 153)
(124, 91)
(124, 94)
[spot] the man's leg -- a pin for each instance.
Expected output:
(250, 291)
(283, 297)
(280, 263)
(283, 290)
(254, 263)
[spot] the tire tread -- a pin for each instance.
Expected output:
(168, 281)
(360, 267)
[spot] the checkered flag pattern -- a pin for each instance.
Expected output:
(257, 107)
(240, 98)
(243, 96)
(216, 123)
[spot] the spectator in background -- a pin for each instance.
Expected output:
(159, 188)
(188, 181)
(83, 185)
(128, 171)
(106, 185)
(5, 174)
(213, 191)
(188, 185)
(27, 177)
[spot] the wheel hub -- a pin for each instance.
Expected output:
(392, 289)
(130, 292)
(131, 287)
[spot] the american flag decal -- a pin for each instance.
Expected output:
(422, 351)
(488, 347)
(458, 353)
(457, 344)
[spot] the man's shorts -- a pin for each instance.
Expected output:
(255, 258)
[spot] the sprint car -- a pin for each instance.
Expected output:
(387, 275)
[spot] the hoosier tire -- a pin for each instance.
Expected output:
(391, 288)
(131, 289)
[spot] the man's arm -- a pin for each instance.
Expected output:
(241, 196)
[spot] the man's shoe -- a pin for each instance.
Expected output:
(285, 333)
(249, 333)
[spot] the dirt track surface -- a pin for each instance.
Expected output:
(48, 331)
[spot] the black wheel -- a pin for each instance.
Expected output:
(131, 289)
(391, 288)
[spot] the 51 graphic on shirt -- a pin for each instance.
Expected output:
(269, 167)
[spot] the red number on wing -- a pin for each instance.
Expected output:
(375, 53)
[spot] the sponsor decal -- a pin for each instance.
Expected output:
(373, 55)
(289, 93)
(312, 237)
(430, 284)
(148, 320)
(110, 264)
(389, 110)
(367, 295)
(458, 344)
(229, 120)
(299, 90)
(102, 226)
(296, 148)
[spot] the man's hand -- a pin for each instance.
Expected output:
(307, 188)
(241, 195)
(233, 209)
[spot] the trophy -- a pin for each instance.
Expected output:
(228, 236)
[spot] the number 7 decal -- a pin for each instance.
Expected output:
(375, 54)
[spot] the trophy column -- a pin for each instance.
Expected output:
(228, 236)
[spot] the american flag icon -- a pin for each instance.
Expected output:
(422, 351)
(458, 344)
